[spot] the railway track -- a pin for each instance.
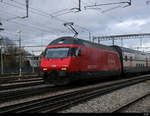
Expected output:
(16, 74)
(23, 80)
(119, 109)
(62, 101)
(10, 79)
(20, 93)
(21, 83)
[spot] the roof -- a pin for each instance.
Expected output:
(70, 40)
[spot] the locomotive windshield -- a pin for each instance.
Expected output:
(56, 52)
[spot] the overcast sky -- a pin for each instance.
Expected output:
(46, 19)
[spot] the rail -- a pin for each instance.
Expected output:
(63, 101)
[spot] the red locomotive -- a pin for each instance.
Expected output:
(68, 59)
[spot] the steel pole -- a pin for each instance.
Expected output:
(113, 41)
(33, 61)
(121, 42)
(89, 36)
(2, 71)
(20, 64)
(79, 5)
(98, 41)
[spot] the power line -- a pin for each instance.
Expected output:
(52, 14)
(45, 14)
(120, 37)
(63, 13)
(35, 46)
(91, 2)
(112, 3)
(45, 27)
(30, 26)
(37, 12)
(148, 2)
(7, 32)
(66, 11)
(100, 9)
(128, 3)
(27, 10)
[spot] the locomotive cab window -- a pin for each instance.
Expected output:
(61, 52)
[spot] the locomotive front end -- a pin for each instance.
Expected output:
(55, 64)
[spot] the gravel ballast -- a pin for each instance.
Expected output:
(106, 103)
(141, 106)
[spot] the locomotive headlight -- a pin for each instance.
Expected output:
(63, 69)
(44, 69)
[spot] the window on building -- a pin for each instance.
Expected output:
(126, 58)
(131, 59)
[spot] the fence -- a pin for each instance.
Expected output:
(12, 63)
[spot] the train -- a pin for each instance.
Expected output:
(68, 59)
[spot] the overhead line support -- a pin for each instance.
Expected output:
(120, 37)
(112, 3)
(79, 5)
(27, 7)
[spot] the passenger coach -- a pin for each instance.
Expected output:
(135, 61)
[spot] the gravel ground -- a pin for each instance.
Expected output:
(141, 106)
(48, 94)
(108, 102)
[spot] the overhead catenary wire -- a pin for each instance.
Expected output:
(88, 2)
(15, 34)
(40, 12)
(148, 2)
(119, 4)
(111, 3)
(36, 25)
(112, 8)
(51, 14)
(30, 26)
(45, 15)
(103, 11)
(52, 17)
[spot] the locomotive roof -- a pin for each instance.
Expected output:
(76, 41)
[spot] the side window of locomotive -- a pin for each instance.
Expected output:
(78, 52)
(72, 52)
(75, 52)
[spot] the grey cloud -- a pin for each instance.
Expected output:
(40, 26)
